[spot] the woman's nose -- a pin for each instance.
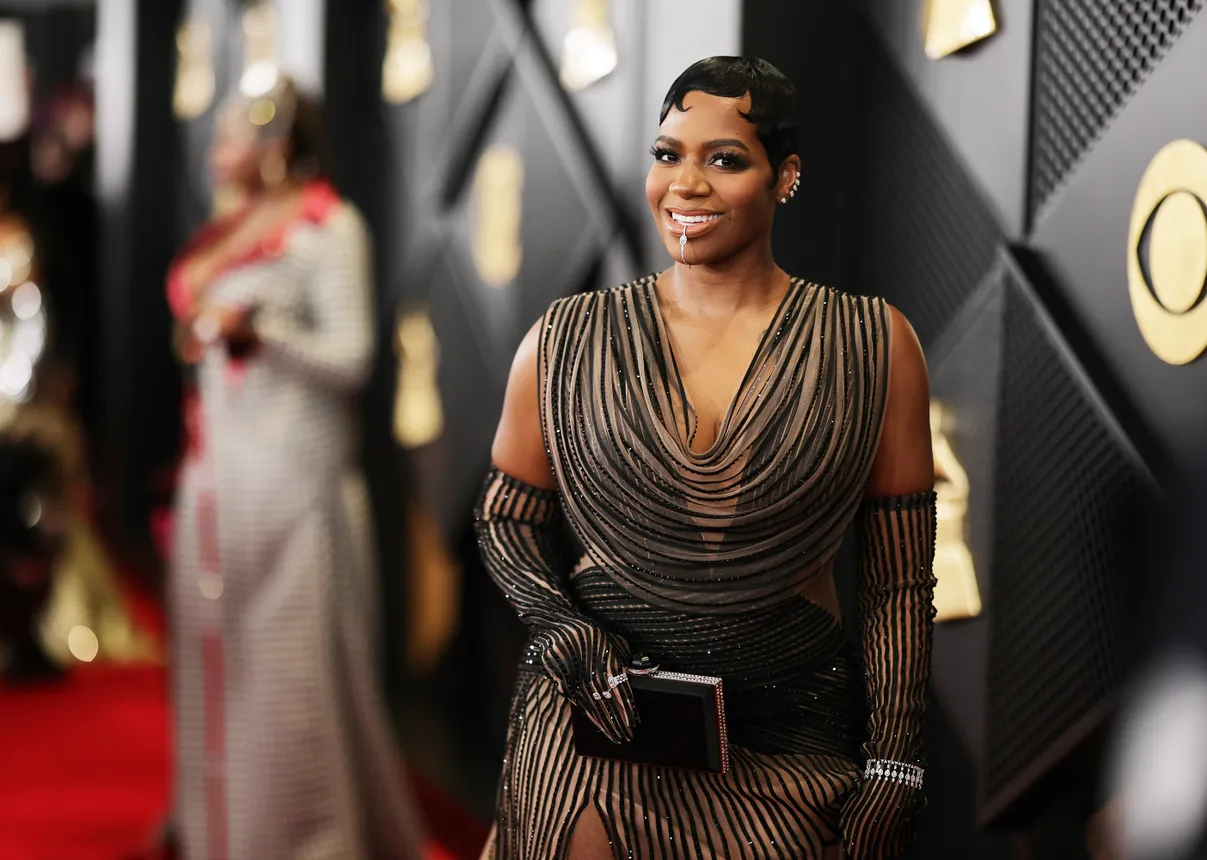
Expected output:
(690, 182)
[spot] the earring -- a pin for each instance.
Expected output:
(273, 170)
(795, 186)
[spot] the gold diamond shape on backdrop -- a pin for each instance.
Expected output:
(949, 26)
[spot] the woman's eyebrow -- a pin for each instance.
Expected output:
(719, 143)
(727, 141)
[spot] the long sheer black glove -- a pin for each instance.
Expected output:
(518, 540)
(896, 542)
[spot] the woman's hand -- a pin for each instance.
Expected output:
(602, 689)
(184, 341)
(231, 325)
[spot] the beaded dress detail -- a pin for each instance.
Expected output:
(701, 560)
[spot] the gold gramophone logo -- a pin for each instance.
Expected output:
(949, 26)
(957, 595)
(1167, 253)
(497, 242)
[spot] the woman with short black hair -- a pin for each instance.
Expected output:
(710, 432)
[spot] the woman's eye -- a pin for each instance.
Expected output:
(666, 156)
(728, 160)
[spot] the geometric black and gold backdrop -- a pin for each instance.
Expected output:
(1090, 58)
(989, 196)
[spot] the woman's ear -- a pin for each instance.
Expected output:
(788, 180)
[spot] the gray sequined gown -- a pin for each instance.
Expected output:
(283, 745)
(700, 561)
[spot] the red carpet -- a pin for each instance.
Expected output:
(84, 767)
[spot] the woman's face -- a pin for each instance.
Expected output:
(236, 152)
(712, 177)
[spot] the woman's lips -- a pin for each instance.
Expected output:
(696, 223)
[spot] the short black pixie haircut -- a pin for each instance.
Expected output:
(772, 98)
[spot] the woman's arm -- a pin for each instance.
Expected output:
(517, 525)
(519, 446)
(336, 349)
(896, 530)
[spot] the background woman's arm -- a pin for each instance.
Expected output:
(337, 348)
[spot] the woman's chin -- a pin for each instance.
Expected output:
(695, 256)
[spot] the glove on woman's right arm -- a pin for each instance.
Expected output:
(518, 541)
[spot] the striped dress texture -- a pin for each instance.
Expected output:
(284, 749)
(702, 561)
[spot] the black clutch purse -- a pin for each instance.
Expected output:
(682, 723)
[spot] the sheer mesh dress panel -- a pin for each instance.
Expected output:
(701, 561)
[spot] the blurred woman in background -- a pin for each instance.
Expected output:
(283, 745)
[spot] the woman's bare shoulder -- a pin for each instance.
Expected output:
(904, 459)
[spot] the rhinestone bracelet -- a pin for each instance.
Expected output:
(907, 774)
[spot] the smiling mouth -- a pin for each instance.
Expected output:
(693, 219)
(694, 224)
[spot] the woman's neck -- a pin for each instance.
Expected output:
(265, 196)
(744, 281)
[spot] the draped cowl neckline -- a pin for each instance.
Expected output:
(749, 521)
(768, 340)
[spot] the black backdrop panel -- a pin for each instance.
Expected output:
(965, 367)
(435, 137)
(1059, 629)
(564, 231)
(1051, 425)
(1083, 243)
(964, 371)
(472, 380)
(1090, 57)
(924, 235)
(980, 98)
(812, 235)
(464, 37)
(567, 219)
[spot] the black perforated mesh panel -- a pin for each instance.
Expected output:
(1065, 482)
(925, 238)
(1090, 56)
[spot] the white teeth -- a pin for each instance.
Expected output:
(693, 219)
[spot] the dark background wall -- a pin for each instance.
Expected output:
(139, 162)
(988, 196)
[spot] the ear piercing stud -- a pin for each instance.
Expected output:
(795, 188)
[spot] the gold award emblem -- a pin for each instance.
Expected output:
(1168, 217)
(407, 70)
(949, 26)
(418, 411)
(498, 207)
(957, 595)
(194, 91)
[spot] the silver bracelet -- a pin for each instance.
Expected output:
(896, 771)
